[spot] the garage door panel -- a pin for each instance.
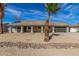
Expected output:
(60, 29)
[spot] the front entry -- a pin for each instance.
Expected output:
(24, 29)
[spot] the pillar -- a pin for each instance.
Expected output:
(31, 29)
(67, 29)
(41, 29)
(21, 29)
(53, 29)
(27, 28)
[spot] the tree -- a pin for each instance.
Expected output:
(1, 16)
(51, 8)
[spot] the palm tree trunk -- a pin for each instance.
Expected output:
(1, 16)
(47, 29)
(1, 26)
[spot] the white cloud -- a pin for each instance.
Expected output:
(34, 12)
(74, 9)
(64, 4)
(70, 15)
(13, 11)
(69, 7)
(57, 18)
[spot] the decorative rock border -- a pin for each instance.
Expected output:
(39, 45)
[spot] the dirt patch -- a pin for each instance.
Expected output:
(39, 45)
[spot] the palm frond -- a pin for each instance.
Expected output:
(51, 7)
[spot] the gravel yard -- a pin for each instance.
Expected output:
(60, 43)
(39, 37)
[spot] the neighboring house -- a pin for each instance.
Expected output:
(74, 28)
(38, 26)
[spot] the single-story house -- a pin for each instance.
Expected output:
(37, 26)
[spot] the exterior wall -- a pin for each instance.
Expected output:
(9, 29)
(12, 29)
(39, 29)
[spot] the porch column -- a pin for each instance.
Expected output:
(27, 29)
(21, 29)
(41, 29)
(67, 29)
(53, 29)
(31, 29)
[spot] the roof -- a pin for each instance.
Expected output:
(60, 24)
(76, 25)
(32, 23)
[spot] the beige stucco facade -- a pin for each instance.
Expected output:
(37, 26)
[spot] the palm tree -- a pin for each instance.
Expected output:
(51, 8)
(1, 16)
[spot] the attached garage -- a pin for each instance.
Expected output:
(60, 29)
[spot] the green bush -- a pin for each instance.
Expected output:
(78, 31)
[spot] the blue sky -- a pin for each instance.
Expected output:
(68, 13)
